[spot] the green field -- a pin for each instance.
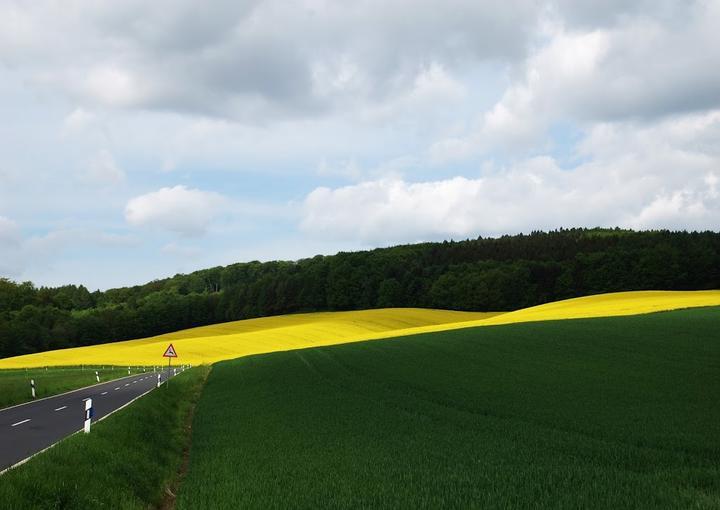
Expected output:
(127, 461)
(598, 413)
(15, 384)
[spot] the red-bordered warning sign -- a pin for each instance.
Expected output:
(170, 352)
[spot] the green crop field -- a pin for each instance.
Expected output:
(15, 384)
(598, 413)
(127, 461)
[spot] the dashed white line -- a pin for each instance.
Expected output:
(61, 408)
(104, 393)
(20, 423)
(127, 384)
(117, 388)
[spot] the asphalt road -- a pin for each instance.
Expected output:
(29, 428)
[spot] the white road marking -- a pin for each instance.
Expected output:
(117, 388)
(61, 408)
(20, 423)
(104, 393)
(127, 384)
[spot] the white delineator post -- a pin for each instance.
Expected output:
(32, 387)
(128, 370)
(158, 381)
(97, 377)
(88, 415)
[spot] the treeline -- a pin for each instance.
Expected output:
(484, 274)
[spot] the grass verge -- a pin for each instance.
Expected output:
(15, 383)
(126, 462)
(594, 413)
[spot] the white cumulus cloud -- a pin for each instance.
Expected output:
(661, 175)
(642, 68)
(178, 209)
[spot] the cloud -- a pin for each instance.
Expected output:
(42, 252)
(638, 68)
(179, 209)
(660, 176)
(114, 86)
(78, 120)
(229, 60)
(103, 169)
(365, 122)
(590, 13)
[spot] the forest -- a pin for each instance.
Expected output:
(484, 274)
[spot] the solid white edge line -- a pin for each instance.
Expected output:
(20, 422)
(73, 433)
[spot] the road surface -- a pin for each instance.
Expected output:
(29, 428)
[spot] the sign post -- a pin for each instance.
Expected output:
(170, 354)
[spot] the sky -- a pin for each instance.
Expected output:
(142, 139)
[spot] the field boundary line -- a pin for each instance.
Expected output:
(65, 393)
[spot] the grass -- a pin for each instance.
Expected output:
(15, 384)
(594, 413)
(126, 462)
(219, 342)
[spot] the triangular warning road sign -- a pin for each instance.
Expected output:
(170, 352)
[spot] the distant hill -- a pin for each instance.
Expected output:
(229, 340)
(505, 273)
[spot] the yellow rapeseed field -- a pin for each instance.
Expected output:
(208, 344)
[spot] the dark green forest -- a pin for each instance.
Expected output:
(496, 274)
